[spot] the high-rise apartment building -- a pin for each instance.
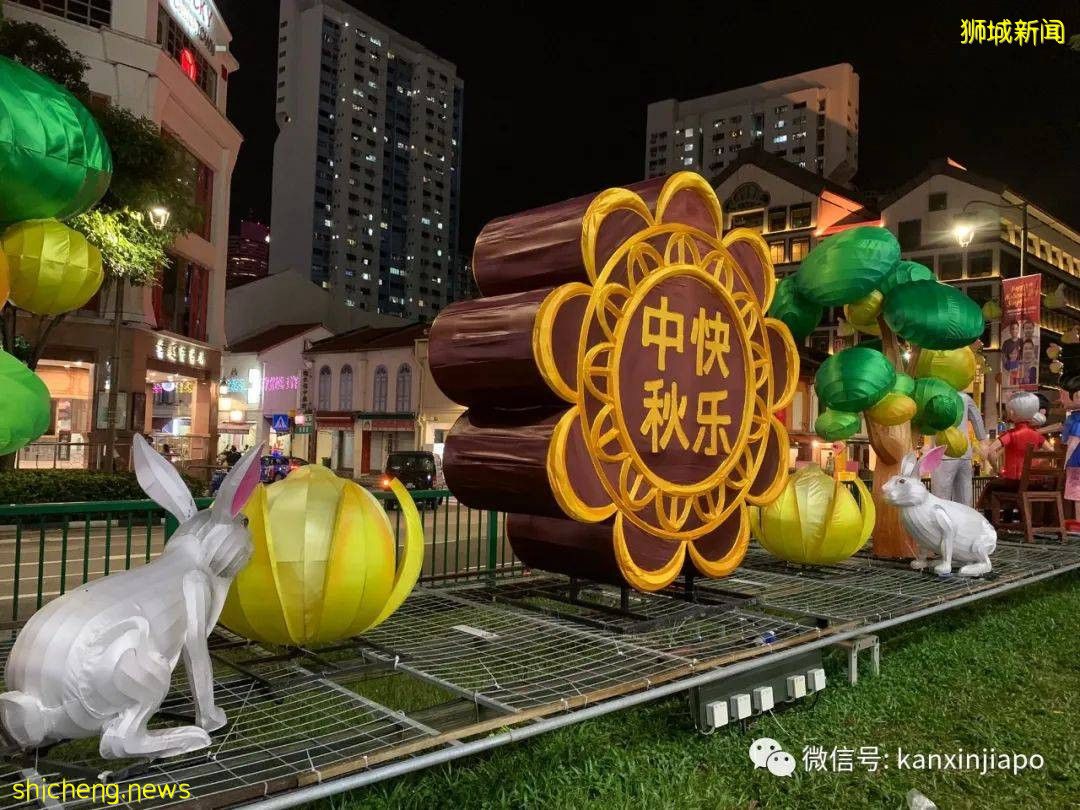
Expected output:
(367, 162)
(249, 253)
(810, 119)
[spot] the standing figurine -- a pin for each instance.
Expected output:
(952, 478)
(1070, 434)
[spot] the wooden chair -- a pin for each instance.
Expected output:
(1042, 482)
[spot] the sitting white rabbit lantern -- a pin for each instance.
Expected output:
(99, 660)
(951, 530)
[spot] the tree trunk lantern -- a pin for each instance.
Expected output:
(622, 383)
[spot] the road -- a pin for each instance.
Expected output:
(455, 540)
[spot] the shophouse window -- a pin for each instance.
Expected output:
(345, 389)
(910, 234)
(950, 267)
(404, 389)
(324, 388)
(778, 219)
(980, 263)
(799, 249)
(378, 390)
(776, 252)
(938, 201)
(800, 216)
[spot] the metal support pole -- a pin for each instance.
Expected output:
(114, 377)
(1023, 237)
(492, 543)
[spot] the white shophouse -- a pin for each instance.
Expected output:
(371, 393)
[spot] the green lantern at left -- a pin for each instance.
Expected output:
(54, 161)
(53, 268)
(24, 405)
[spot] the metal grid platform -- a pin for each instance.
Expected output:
(526, 654)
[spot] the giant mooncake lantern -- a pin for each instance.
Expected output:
(622, 383)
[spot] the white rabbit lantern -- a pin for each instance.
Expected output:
(99, 659)
(952, 531)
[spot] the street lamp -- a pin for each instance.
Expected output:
(964, 229)
(159, 216)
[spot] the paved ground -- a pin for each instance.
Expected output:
(456, 540)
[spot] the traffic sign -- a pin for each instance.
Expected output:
(280, 422)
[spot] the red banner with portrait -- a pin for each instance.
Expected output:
(1021, 311)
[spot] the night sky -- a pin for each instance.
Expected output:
(555, 94)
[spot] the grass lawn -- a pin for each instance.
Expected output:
(1003, 673)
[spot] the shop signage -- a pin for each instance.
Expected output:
(196, 18)
(280, 422)
(177, 352)
(288, 382)
(303, 430)
(389, 424)
(235, 384)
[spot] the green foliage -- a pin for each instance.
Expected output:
(798, 314)
(854, 379)
(56, 486)
(835, 426)
(938, 405)
(41, 50)
(904, 384)
(905, 272)
(847, 266)
(933, 315)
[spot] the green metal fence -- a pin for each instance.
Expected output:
(49, 548)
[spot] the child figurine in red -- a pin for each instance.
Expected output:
(1024, 412)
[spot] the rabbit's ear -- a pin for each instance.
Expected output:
(908, 463)
(931, 460)
(238, 485)
(160, 480)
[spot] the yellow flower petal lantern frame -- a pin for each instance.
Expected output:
(324, 563)
(53, 269)
(816, 520)
(654, 424)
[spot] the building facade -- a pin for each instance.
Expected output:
(810, 119)
(259, 393)
(169, 61)
(371, 392)
(367, 162)
(249, 253)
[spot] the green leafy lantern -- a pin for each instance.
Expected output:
(933, 315)
(54, 161)
(800, 315)
(854, 379)
(25, 406)
(835, 426)
(905, 272)
(847, 266)
(938, 405)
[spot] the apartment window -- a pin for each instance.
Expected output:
(939, 201)
(179, 301)
(799, 248)
(910, 234)
(324, 389)
(178, 45)
(378, 390)
(980, 263)
(345, 389)
(403, 394)
(777, 219)
(777, 252)
(96, 13)
(950, 266)
(800, 216)
(780, 139)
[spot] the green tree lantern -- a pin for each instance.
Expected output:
(860, 268)
(800, 315)
(54, 161)
(24, 405)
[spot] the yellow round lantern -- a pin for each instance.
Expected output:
(816, 520)
(863, 314)
(324, 562)
(893, 409)
(53, 269)
(954, 366)
(5, 280)
(956, 443)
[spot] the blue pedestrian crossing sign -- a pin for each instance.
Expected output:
(281, 422)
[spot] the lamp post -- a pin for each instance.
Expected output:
(965, 227)
(159, 218)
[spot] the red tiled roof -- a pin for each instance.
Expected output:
(368, 337)
(269, 338)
